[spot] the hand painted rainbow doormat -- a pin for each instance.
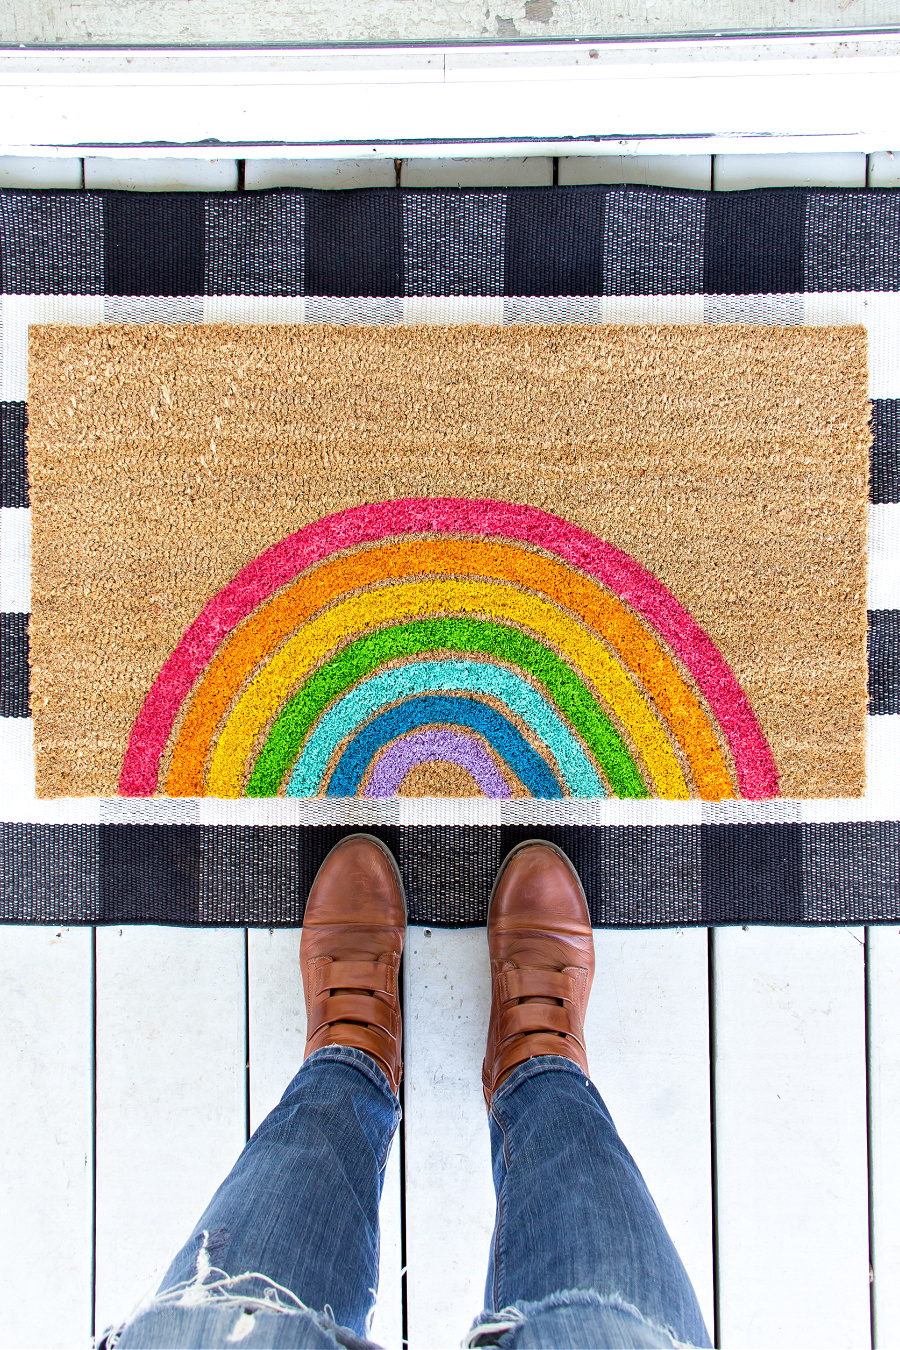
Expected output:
(555, 561)
(527, 512)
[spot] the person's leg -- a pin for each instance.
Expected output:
(301, 1203)
(295, 1223)
(580, 1255)
(573, 1211)
(294, 1227)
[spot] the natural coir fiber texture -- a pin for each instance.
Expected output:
(729, 462)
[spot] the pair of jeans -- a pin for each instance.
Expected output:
(286, 1254)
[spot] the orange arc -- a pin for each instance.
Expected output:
(269, 626)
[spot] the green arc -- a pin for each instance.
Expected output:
(360, 658)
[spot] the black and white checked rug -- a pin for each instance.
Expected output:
(576, 255)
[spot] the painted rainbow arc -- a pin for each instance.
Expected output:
(482, 634)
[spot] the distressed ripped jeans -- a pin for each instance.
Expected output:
(286, 1254)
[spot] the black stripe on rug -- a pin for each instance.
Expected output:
(885, 478)
(14, 673)
(13, 470)
(634, 876)
(154, 243)
(354, 247)
(555, 242)
(884, 662)
(51, 242)
(754, 242)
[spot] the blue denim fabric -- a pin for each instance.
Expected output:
(299, 1210)
(286, 1254)
(578, 1241)
(577, 1319)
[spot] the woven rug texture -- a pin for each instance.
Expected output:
(676, 385)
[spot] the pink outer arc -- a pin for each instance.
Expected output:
(757, 774)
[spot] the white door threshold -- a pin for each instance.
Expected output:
(707, 96)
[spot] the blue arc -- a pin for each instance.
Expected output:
(509, 692)
(499, 732)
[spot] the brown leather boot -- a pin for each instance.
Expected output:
(542, 962)
(353, 931)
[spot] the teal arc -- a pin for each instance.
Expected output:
(478, 680)
(562, 689)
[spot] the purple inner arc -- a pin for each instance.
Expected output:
(397, 759)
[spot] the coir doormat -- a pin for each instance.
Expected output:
(733, 628)
(527, 562)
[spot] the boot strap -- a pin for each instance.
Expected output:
(529, 983)
(523, 1018)
(378, 976)
(368, 1011)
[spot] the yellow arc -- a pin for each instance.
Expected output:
(350, 617)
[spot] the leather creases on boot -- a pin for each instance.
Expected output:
(354, 927)
(542, 962)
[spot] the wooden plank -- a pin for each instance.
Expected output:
(648, 1044)
(678, 171)
(170, 1096)
(320, 173)
(883, 961)
(526, 171)
(277, 1016)
(47, 1183)
(449, 1191)
(647, 1034)
(387, 1323)
(838, 169)
(277, 1022)
(884, 169)
(161, 175)
(20, 171)
(790, 1114)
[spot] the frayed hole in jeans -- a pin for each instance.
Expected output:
(243, 1326)
(488, 1333)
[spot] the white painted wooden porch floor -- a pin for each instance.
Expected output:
(755, 1074)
